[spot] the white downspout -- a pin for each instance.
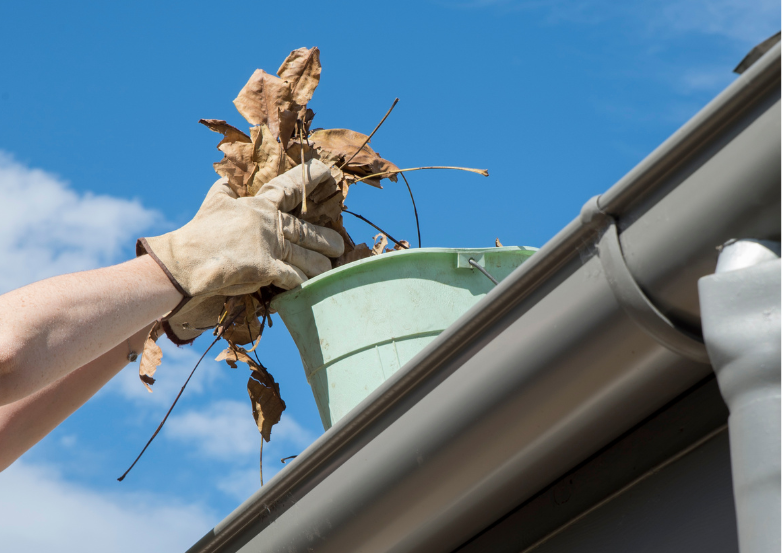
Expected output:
(740, 314)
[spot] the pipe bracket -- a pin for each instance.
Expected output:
(633, 300)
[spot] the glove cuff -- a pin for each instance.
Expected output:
(143, 248)
(176, 339)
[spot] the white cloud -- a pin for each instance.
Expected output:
(748, 22)
(47, 228)
(225, 430)
(241, 484)
(177, 364)
(41, 513)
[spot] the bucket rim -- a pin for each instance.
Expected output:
(333, 273)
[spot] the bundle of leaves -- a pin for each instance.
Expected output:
(280, 139)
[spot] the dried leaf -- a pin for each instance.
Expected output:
(268, 156)
(151, 357)
(294, 154)
(404, 243)
(237, 165)
(340, 228)
(287, 126)
(302, 70)
(229, 132)
(380, 243)
(373, 182)
(246, 327)
(361, 251)
(343, 143)
(229, 356)
(322, 213)
(262, 99)
(497, 243)
(309, 115)
(234, 308)
(265, 398)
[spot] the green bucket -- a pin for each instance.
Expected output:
(358, 324)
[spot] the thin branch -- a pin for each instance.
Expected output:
(415, 210)
(258, 340)
(394, 240)
(484, 172)
(303, 171)
(371, 134)
(160, 426)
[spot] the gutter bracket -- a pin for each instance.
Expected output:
(629, 294)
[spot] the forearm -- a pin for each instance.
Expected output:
(25, 422)
(52, 327)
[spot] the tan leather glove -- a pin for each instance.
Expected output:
(234, 246)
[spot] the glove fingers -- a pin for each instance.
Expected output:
(287, 276)
(285, 191)
(312, 237)
(310, 262)
(220, 187)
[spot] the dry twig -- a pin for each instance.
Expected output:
(303, 172)
(415, 210)
(394, 240)
(484, 172)
(160, 426)
(370, 134)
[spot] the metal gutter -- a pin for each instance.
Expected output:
(543, 371)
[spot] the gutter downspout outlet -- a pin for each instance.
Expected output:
(740, 314)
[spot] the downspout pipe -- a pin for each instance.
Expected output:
(740, 317)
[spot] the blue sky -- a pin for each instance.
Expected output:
(99, 144)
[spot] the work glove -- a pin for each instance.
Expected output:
(234, 246)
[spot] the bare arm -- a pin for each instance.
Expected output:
(51, 328)
(25, 422)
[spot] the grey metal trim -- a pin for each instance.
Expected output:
(654, 442)
(581, 321)
(755, 54)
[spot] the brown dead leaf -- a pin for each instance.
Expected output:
(405, 245)
(380, 243)
(497, 243)
(294, 154)
(246, 327)
(340, 228)
(262, 99)
(287, 126)
(233, 308)
(237, 165)
(266, 401)
(344, 143)
(233, 354)
(151, 357)
(302, 70)
(269, 157)
(229, 132)
(360, 251)
(309, 115)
